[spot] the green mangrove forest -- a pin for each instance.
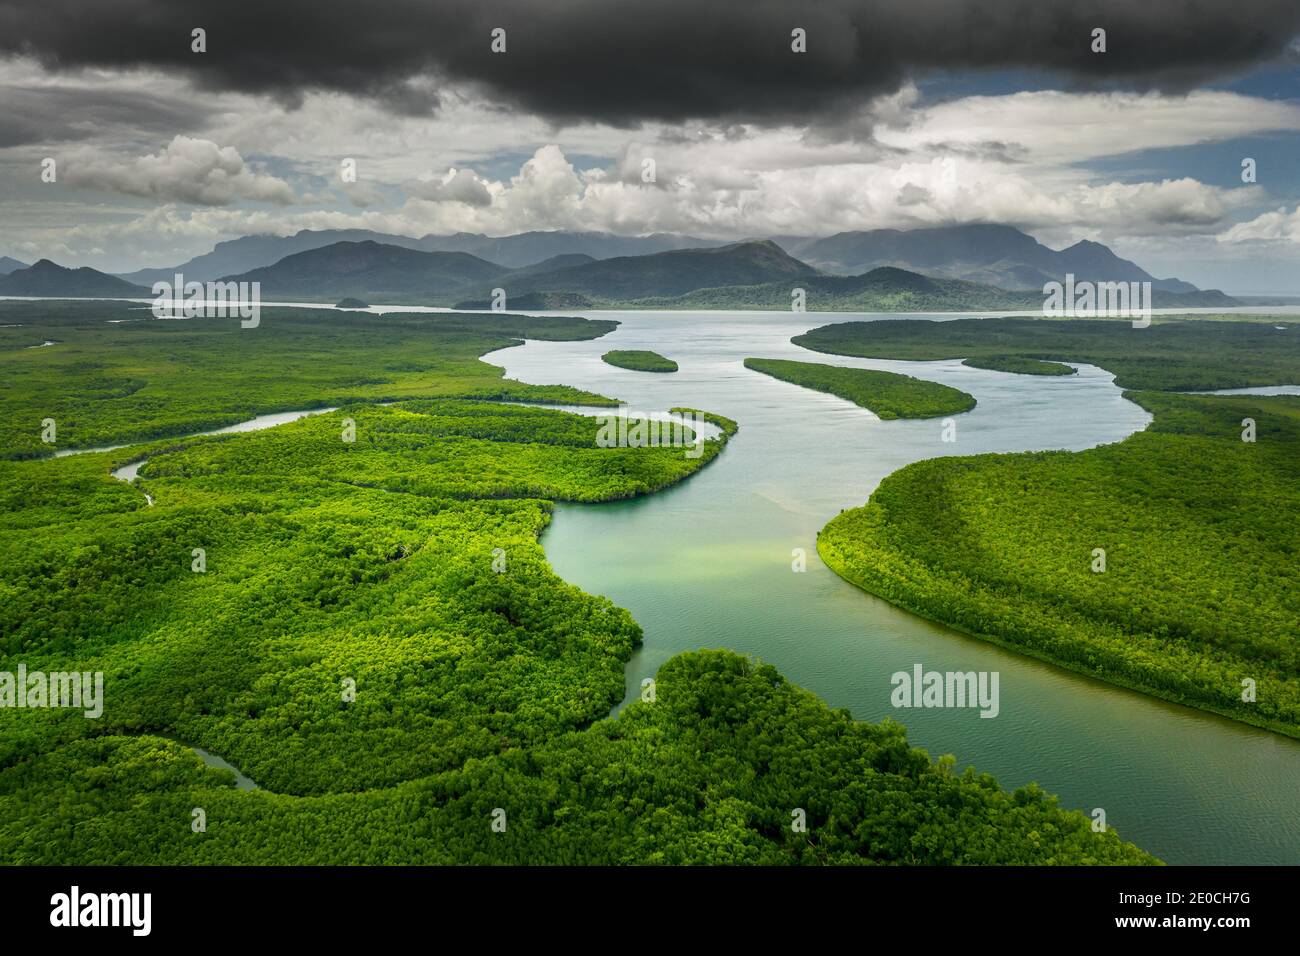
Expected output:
(887, 394)
(1165, 563)
(355, 611)
(1170, 354)
(639, 360)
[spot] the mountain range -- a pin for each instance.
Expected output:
(1001, 256)
(997, 255)
(668, 274)
(968, 268)
(525, 249)
(755, 274)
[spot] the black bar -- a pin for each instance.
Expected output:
(237, 905)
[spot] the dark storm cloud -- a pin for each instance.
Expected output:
(68, 114)
(622, 62)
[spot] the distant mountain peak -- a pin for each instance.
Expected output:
(766, 244)
(47, 278)
(9, 264)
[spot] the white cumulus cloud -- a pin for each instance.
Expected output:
(187, 170)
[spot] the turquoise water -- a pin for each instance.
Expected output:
(708, 564)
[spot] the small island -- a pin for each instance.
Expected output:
(888, 394)
(352, 304)
(1019, 364)
(639, 361)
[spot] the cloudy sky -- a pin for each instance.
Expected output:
(899, 114)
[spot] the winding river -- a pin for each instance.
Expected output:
(708, 564)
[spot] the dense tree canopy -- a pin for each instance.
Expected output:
(1199, 586)
(888, 394)
(376, 639)
(115, 376)
(639, 360)
(1170, 354)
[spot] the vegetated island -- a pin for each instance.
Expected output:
(1168, 355)
(404, 566)
(351, 303)
(639, 360)
(1164, 563)
(888, 394)
(1020, 365)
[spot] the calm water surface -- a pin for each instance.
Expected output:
(708, 564)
